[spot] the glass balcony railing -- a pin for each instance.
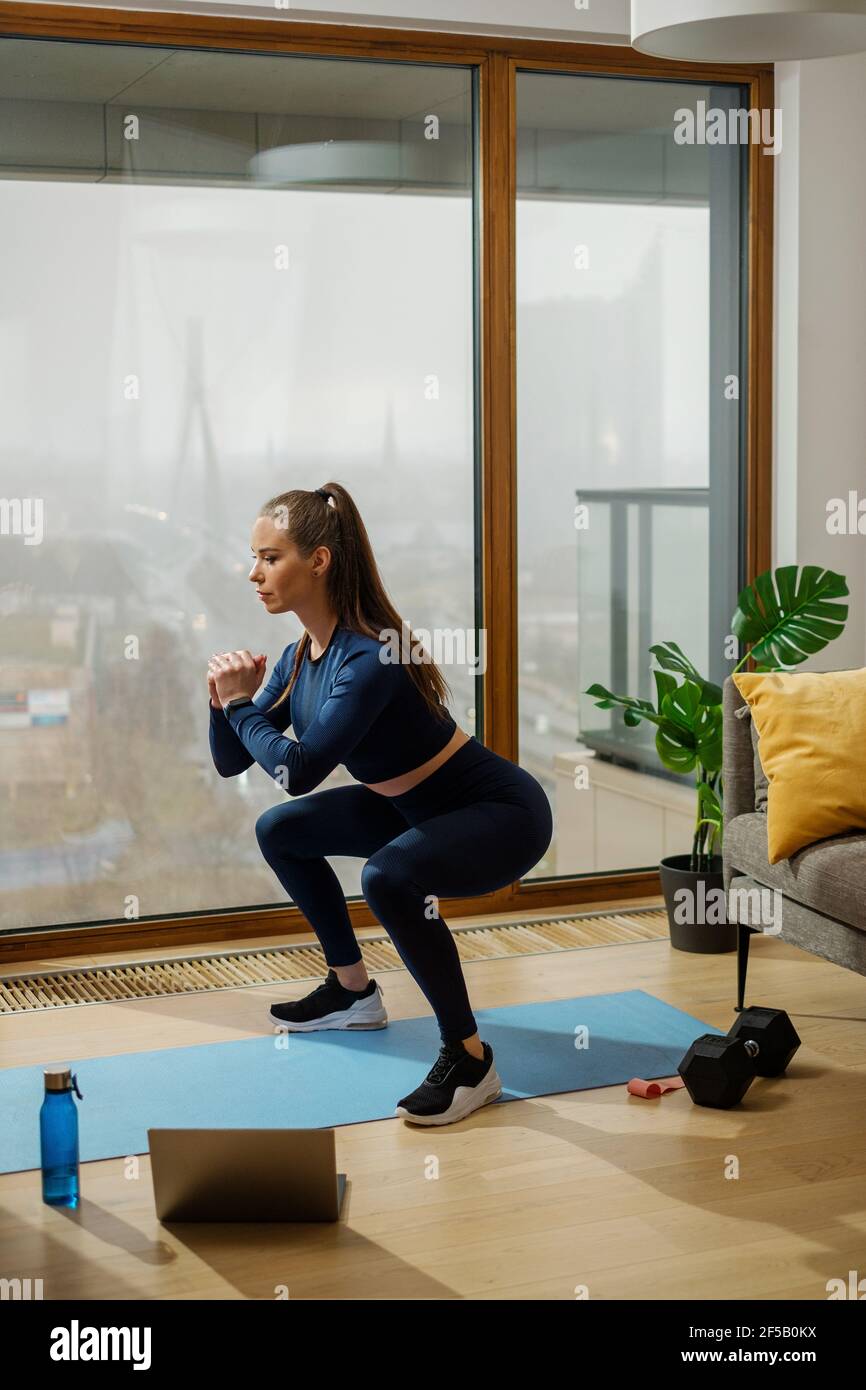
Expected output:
(642, 578)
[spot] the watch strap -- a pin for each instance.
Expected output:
(237, 702)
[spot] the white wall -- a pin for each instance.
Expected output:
(820, 359)
(602, 21)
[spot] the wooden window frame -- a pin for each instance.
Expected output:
(497, 60)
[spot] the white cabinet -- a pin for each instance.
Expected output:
(619, 819)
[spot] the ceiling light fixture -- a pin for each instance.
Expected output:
(748, 31)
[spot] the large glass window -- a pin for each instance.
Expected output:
(630, 386)
(222, 275)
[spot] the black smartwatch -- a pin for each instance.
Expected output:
(237, 702)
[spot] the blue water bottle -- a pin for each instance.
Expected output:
(58, 1133)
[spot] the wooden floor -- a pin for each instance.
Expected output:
(629, 1198)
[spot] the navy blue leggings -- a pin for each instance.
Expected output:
(477, 823)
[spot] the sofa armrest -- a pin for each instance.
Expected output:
(738, 765)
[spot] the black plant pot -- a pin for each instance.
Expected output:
(697, 914)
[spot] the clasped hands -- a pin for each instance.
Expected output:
(230, 674)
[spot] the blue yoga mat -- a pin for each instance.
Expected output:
(312, 1080)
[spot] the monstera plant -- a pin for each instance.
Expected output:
(784, 617)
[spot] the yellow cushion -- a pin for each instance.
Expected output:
(812, 727)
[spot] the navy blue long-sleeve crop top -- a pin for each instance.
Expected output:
(348, 707)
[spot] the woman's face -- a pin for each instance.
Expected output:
(283, 578)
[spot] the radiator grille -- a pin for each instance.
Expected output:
(110, 984)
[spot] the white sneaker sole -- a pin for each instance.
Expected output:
(466, 1099)
(363, 1014)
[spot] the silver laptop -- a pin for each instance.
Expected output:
(245, 1174)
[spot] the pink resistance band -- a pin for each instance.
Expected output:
(650, 1090)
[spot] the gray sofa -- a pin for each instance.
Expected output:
(822, 888)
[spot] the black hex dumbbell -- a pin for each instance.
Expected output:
(719, 1070)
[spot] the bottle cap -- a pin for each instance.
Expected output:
(58, 1079)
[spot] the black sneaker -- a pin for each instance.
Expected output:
(332, 1006)
(456, 1084)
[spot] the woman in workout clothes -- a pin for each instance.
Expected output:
(433, 812)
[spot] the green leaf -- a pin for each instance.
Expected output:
(710, 742)
(691, 734)
(710, 811)
(636, 709)
(788, 615)
(683, 705)
(664, 685)
(674, 749)
(672, 658)
(708, 803)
